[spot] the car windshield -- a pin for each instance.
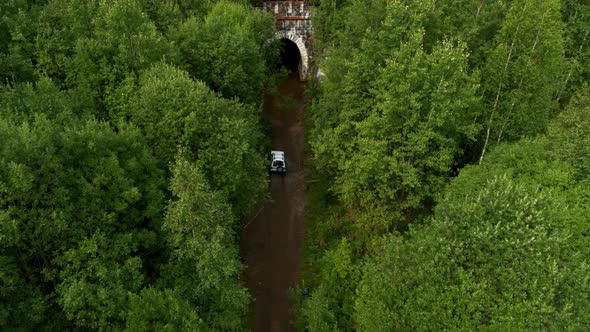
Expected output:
(277, 163)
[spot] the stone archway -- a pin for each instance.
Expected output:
(293, 19)
(298, 40)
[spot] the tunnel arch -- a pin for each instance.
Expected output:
(290, 55)
(298, 40)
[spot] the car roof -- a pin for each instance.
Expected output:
(278, 154)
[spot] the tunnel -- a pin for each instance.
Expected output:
(290, 57)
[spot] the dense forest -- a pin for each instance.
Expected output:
(450, 151)
(131, 144)
(450, 164)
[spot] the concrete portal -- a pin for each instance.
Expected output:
(294, 23)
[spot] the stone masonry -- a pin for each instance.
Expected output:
(294, 23)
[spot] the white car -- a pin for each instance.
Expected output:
(278, 164)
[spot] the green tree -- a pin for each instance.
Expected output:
(204, 266)
(85, 202)
(17, 30)
(221, 135)
(166, 15)
(228, 50)
(337, 23)
(197, 8)
(62, 23)
(569, 134)
(503, 252)
(520, 75)
(81, 193)
(23, 304)
(96, 277)
(351, 63)
(330, 307)
(95, 46)
(393, 156)
(474, 22)
(156, 310)
(318, 313)
(24, 101)
(576, 16)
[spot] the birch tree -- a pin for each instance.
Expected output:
(519, 77)
(576, 16)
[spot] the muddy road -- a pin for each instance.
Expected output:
(271, 238)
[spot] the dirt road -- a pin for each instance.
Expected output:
(271, 240)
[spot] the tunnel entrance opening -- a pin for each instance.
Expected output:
(290, 57)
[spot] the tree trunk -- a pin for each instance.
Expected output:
(570, 72)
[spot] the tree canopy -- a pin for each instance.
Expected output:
(449, 181)
(448, 151)
(131, 146)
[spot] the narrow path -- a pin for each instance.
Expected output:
(271, 241)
